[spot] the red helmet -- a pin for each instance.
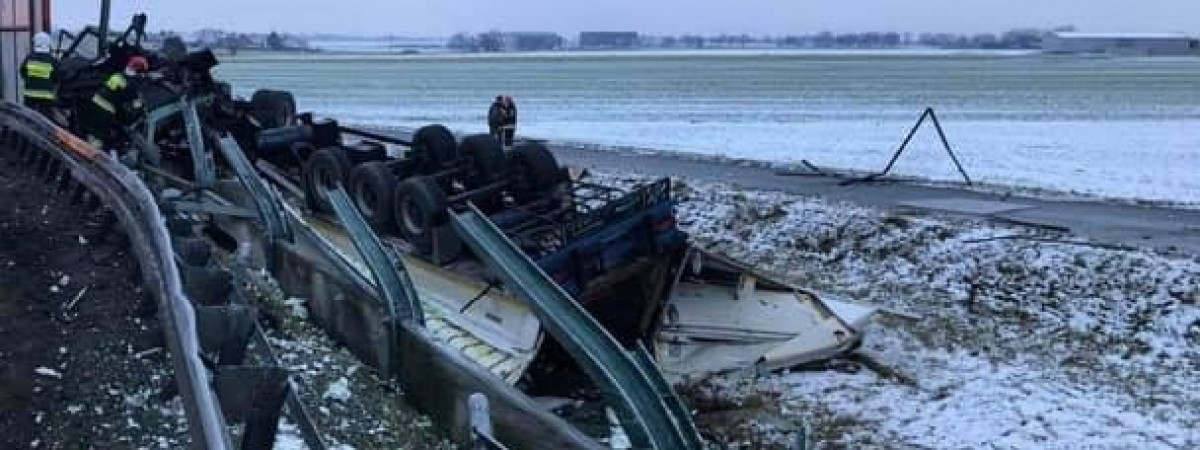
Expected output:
(138, 64)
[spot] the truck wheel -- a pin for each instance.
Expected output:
(420, 206)
(486, 158)
(434, 145)
(273, 109)
(324, 168)
(536, 170)
(372, 186)
(363, 152)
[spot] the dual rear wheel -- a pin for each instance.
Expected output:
(414, 204)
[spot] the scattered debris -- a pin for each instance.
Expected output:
(339, 390)
(1027, 344)
(147, 352)
(47, 372)
(71, 304)
(298, 309)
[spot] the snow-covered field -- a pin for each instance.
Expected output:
(1114, 127)
(1025, 339)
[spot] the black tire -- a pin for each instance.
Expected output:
(364, 152)
(485, 156)
(299, 153)
(322, 170)
(536, 171)
(435, 147)
(273, 109)
(180, 227)
(373, 186)
(419, 207)
(195, 252)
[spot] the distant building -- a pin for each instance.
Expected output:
(608, 39)
(1145, 44)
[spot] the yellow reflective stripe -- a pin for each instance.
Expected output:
(44, 95)
(104, 103)
(115, 82)
(39, 69)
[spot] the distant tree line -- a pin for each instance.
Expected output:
(234, 41)
(498, 41)
(1022, 38)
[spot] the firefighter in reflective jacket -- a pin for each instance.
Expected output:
(116, 105)
(39, 72)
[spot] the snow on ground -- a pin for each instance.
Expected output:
(352, 407)
(1154, 163)
(289, 437)
(1020, 343)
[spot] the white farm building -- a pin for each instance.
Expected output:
(1144, 44)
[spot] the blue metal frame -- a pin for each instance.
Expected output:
(613, 235)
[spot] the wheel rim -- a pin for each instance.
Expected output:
(408, 212)
(284, 117)
(366, 201)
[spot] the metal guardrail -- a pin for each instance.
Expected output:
(134, 205)
(649, 413)
(206, 172)
(270, 212)
(390, 276)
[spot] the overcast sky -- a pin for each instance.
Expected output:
(444, 17)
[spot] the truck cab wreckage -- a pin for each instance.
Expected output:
(445, 262)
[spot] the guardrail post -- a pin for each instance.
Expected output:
(480, 420)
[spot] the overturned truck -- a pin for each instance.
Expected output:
(459, 267)
(618, 254)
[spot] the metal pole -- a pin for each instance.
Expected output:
(896, 155)
(946, 144)
(47, 23)
(102, 41)
(32, 24)
(3, 71)
(904, 144)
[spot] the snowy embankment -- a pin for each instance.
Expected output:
(1025, 339)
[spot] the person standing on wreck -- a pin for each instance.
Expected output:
(39, 72)
(509, 125)
(116, 105)
(495, 118)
